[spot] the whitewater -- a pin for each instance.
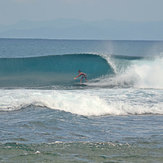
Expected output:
(100, 102)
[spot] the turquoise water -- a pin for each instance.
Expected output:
(50, 70)
(46, 116)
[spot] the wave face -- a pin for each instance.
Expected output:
(102, 71)
(50, 70)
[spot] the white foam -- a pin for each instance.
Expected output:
(76, 102)
(150, 73)
(139, 74)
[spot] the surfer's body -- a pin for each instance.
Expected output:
(83, 75)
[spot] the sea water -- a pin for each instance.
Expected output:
(47, 116)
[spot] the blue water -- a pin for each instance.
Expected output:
(47, 116)
(57, 70)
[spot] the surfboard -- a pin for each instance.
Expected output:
(80, 84)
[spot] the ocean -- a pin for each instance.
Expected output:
(47, 116)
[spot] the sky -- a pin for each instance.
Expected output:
(13, 11)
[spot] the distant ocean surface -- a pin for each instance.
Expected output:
(47, 116)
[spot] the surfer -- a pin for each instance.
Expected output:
(83, 75)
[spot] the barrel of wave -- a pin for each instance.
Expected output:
(50, 70)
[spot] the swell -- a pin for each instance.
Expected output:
(50, 70)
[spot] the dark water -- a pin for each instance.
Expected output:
(46, 116)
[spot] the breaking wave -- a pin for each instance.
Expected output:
(102, 70)
(86, 103)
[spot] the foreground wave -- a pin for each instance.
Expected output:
(87, 103)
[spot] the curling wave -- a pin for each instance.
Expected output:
(103, 71)
(50, 70)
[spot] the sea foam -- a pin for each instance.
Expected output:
(141, 73)
(82, 103)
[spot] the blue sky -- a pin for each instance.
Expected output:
(13, 11)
